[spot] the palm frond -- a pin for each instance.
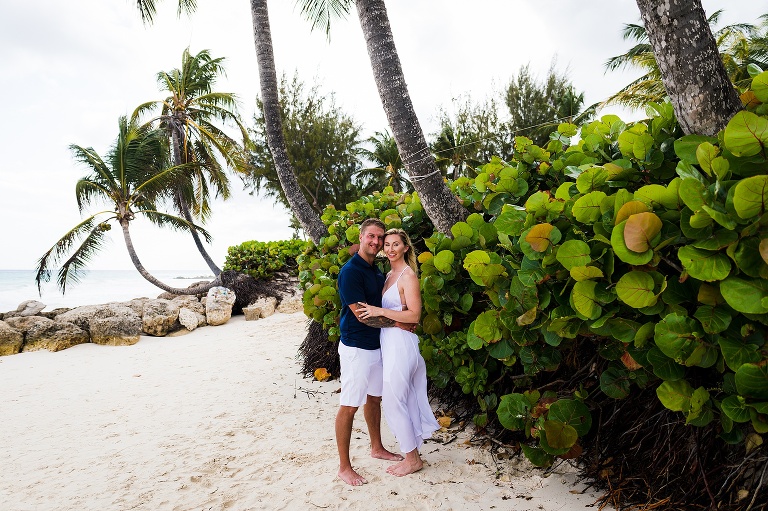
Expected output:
(320, 12)
(162, 219)
(51, 258)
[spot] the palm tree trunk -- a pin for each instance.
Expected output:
(262, 36)
(440, 204)
(144, 273)
(184, 207)
(693, 73)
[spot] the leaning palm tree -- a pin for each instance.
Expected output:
(739, 45)
(192, 116)
(389, 169)
(302, 210)
(440, 203)
(130, 180)
(454, 147)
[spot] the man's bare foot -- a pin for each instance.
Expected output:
(383, 454)
(351, 477)
(405, 467)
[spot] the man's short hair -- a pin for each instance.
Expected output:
(372, 221)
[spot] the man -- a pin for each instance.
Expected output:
(360, 280)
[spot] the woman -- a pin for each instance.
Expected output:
(404, 399)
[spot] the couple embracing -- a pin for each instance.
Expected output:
(381, 365)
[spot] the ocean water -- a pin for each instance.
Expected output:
(96, 287)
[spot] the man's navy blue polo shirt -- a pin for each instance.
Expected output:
(359, 282)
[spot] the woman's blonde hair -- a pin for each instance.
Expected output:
(410, 254)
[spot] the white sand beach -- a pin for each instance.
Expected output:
(220, 419)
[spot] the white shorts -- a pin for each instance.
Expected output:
(361, 375)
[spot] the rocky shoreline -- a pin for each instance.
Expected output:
(31, 328)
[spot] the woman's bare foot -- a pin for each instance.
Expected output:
(383, 454)
(408, 466)
(351, 477)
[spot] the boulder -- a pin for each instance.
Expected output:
(252, 313)
(159, 316)
(23, 324)
(137, 304)
(54, 336)
(218, 305)
(190, 302)
(29, 308)
(266, 304)
(190, 319)
(291, 305)
(11, 339)
(112, 324)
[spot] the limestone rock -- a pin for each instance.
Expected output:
(11, 339)
(137, 304)
(218, 305)
(55, 312)
(112, 324)
(252, 312)
(190, 319)
(29, 308)
(266, 304)
(291, 305)
(23, 324)
(54, 336)
(159, 317)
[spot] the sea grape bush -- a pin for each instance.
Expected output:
(649, 246)
(261, 259)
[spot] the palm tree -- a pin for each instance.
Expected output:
(130, 180)
(309, 219)
(189, 116)
(455, 148)
(389, 169)
(440, 203)
(739, 45)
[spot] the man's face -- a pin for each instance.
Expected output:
(371, 240)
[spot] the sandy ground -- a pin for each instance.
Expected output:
(220, 419)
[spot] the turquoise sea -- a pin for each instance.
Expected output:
(97, 286)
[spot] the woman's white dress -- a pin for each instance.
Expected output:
(404, 400)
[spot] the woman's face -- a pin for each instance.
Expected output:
(394, 248)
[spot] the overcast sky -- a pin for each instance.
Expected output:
(68, 70)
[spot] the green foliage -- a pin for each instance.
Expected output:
(319, 265)
(261, 259)
(647, 248)
(322, 143)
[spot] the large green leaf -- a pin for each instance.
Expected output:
(675, 336)
(571, 412)
(584, 300)
(713, 319)
(542, 236)
(750, 197)
(658, 195)
(736, 352)
(560, 435)
(752, 380)
(635, 288)
(586, 209)
(481, 270)
(704, 264)
(746, 134)
(488, 326)
(615, 382)
(745, 295)
(579, 273)
(573, 253)
(443, 261)
(511, 222)
(628, 209)
(685, 147)
(592, 179)
(675, 395)
(735, 408)
(513, 411)
(663, 366)
(537, 456)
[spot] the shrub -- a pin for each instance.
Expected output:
(261, 259)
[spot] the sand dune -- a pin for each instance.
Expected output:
(220, 419)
